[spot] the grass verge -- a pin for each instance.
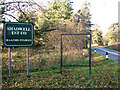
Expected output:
(113, 47)
(104, 75)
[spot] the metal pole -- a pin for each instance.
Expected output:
(90, 56)
(9, 62)
(27, 61)
(61, 56)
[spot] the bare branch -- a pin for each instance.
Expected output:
(33, 3)
(12, 16)
(21, 9)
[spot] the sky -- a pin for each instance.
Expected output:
(104, 12)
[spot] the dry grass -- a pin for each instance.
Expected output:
(38, 58)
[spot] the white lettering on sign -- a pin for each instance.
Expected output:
(23, 33)
(20, 40)
(18, 33)
(26, 29)
(15, 33)
(12, 40)
(9, 28)
(25, 40)
(18, 28)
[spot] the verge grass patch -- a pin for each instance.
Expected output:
(104, 74)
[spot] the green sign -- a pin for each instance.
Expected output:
(18, 34)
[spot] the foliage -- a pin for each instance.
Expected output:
(75, 25)
(83, 15)
(30, 17)
(47, 19)
(58, 11)
(112, 37)
(52, 19)
(2, 9)
(97, 36)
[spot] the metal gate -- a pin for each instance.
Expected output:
(75, 65)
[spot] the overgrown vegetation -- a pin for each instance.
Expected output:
(112, 37)
(97, 37)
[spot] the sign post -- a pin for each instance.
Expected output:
(9, 62)
(27, 61)
(17, 35)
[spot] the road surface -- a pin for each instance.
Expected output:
(112, 54)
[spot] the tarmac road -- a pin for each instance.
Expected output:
(112, 54)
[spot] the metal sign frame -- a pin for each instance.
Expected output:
(76, 65)
(17, 24)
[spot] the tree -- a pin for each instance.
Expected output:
(97, 35)
(82, 21)
(58, 13)
(55, 17)
(76, 24)
(112, 37)
(2, 9)
(83, 16)
(18, 7)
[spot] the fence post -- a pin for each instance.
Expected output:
(90, 56)
(61, 55)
